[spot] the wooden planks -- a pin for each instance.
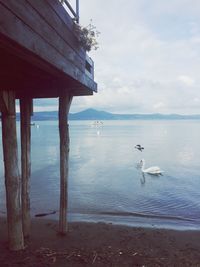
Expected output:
(44, 39)
(39, 26)
(26, 37)
(64, 28)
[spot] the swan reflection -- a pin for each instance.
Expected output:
(143, 179)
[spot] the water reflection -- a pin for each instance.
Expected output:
(105, 173)
(186, 155)
(143, 179)
(143, 174)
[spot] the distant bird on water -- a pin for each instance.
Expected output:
(139, 147)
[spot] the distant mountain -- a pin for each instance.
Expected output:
(93, 114)
(43, 116)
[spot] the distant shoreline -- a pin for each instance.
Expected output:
(92, 114)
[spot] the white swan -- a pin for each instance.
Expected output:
(152, 170)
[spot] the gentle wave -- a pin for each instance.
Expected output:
(135, 214)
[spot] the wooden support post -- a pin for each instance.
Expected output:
(64, 105)
(25, 115)
(12, 177)
(3, 102)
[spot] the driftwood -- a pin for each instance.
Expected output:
(45, 214)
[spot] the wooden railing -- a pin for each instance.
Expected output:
(89, 67)
(89, 64)
(74, 13)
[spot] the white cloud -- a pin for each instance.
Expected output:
(186, 80)
(48, 108)
(196, 100)
(148, 57)
(147, 52)
(158, 105)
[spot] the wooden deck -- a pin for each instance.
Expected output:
(40, 54)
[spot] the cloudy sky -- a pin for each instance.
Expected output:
(148, 59)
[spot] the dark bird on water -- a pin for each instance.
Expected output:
(139, 147)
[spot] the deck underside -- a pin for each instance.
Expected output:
(40, 55)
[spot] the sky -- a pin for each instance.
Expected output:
(148, 59)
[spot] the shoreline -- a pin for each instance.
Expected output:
(150, 222)
(101, 244)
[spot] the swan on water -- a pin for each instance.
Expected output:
(139, 147)
(151, 170)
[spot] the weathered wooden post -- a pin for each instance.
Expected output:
(12, 177)
(25, 117)
(64, 105)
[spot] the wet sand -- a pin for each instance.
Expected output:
(100, 244)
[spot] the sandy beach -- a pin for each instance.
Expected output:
(100, 244)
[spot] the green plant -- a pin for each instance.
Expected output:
(87, 36)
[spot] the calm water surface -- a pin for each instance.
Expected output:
(105, 183)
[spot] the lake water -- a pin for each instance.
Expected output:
(105, 183)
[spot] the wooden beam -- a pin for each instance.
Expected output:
(29, 39)
(3, 102)
(64, 29)
(64, 105)
(45, 29)
(37, 49)
(25, 115)
(12, 177)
